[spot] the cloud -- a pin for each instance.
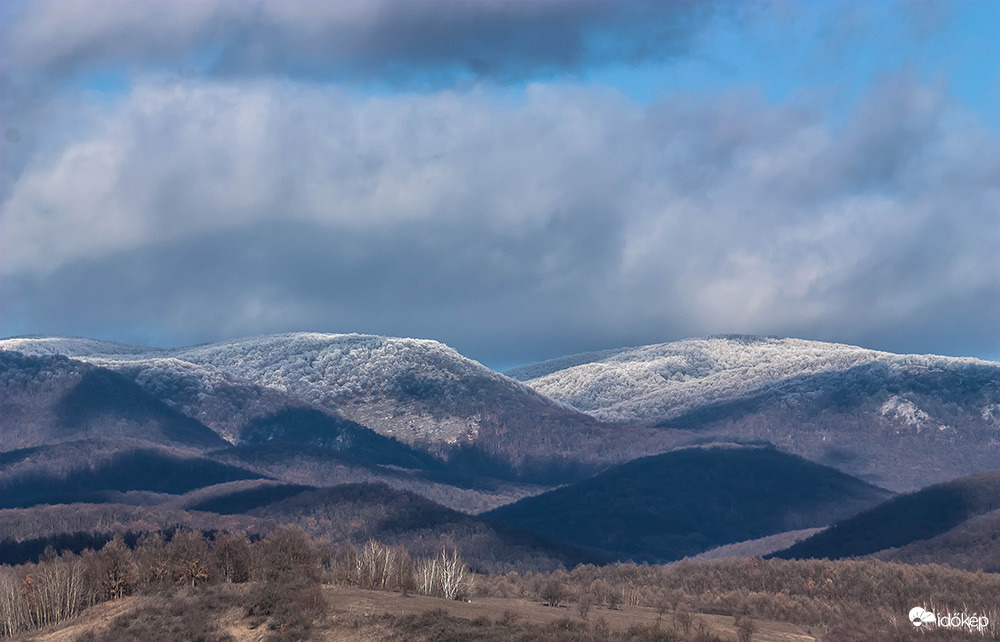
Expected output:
(513, 225)
(356, 38)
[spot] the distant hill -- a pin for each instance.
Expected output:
(649, 384)
(912, 522)
(681, 503)
(420, 392)
(319, 466)
(899, 421)
(899, 425)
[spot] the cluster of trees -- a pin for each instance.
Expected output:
(391, 568)
(60, 586)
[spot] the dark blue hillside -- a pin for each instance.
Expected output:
(904, 519)
(147, 470)
(680, 503)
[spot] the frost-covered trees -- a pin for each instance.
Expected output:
(661, 381)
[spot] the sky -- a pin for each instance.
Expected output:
(520, 180)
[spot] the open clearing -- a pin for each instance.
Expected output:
(357, 615)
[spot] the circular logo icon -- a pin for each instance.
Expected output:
(919, 616)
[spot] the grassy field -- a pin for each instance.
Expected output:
(360, 615)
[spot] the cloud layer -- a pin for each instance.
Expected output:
(350, 37)
(512, 225)
(183, 171)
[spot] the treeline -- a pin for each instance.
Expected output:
(850, 601)
(356, 512)
(61, 586)
(855, 600)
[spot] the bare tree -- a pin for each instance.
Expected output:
(151, 561)
(375, 565)
(187, 553)
(745, 628)
(232, 557)
(288, 551)
(118, 570)
(427, 576)
(455, 577)
(56, 589)
(553, 592)
(13, 615)
(444, 575)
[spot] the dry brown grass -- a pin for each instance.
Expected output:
(358, 615)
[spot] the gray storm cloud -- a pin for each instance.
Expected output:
(352, 37)
(509, 224)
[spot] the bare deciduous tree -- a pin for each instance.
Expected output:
(187, 553)
(232, 557)
(455, 577)
(13, 615)
(745, 628)
(118, 569)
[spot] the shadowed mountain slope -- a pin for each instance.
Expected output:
(308, 427)
(50, 399)
(973, 545)
(91, 471)
(905, 519)
(362, 511)
(684, 502)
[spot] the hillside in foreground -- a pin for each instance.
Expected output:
(287, 586)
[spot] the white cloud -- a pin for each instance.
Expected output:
(563, 210)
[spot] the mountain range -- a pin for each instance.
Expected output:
(650, 453)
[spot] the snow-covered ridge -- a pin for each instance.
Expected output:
(328, 368)
(661, 381)
(317, 368)
(633, 385)
(366, 358)
(80, 348)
